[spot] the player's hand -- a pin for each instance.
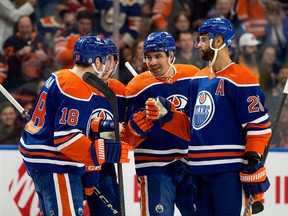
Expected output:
(139, 124)
(110, 151)
(255, 181)
(159, 108)
(98, 124)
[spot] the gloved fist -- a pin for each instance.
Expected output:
(139, 124)
(157, 108)
(110, 151)
(255, 181)
(98, 124)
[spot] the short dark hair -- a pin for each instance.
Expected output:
(83, 14)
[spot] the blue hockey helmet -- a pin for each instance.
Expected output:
(87, 49)
(159, 41)
(112, 49)
(218, 26)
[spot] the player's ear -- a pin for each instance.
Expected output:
(98, 63)
(218, 41)
(171, 57)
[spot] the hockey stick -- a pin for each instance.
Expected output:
(23, 112)
(131, 69)
(106, 201)
(97, 83)
(263, 159)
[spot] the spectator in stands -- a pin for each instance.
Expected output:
(199, 11)
(248, 52)
(276, 32)
(82, 26)
(226, 8)
(164, 11)
(136, 61)
(3, 69)
(146, 21)
(128, 20)
(137, 58)
(281, 135)
(26, 56)
(268, 68)
(65, 43)
(181, 23)
(9, 15)
(186, 52)
(252, 15)
(52, 26)
(274, 98)
(10, 126)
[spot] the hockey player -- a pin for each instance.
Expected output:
(105, 181)
(55, 146)
(230, 127)
(159, 155)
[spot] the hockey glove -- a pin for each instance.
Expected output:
(106, 128)
(109, 151)
(159, 108)
(139, 124)
(99, 125)
(255, 181)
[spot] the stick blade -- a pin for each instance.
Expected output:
(97, 83)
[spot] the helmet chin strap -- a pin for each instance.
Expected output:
(211, 63)
(100, 73)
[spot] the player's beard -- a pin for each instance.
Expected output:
(208, 54)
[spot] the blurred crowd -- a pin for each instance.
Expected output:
(37, 38)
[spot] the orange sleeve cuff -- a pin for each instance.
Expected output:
(132, 138)
(257, 143)
(173, 127)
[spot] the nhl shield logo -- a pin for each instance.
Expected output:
(203, 111)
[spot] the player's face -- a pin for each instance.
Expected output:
(157, 63)
(205, 51)
(110, 67)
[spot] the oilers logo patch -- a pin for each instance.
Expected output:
(103, 113)
(178, 100)
(203, 111)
